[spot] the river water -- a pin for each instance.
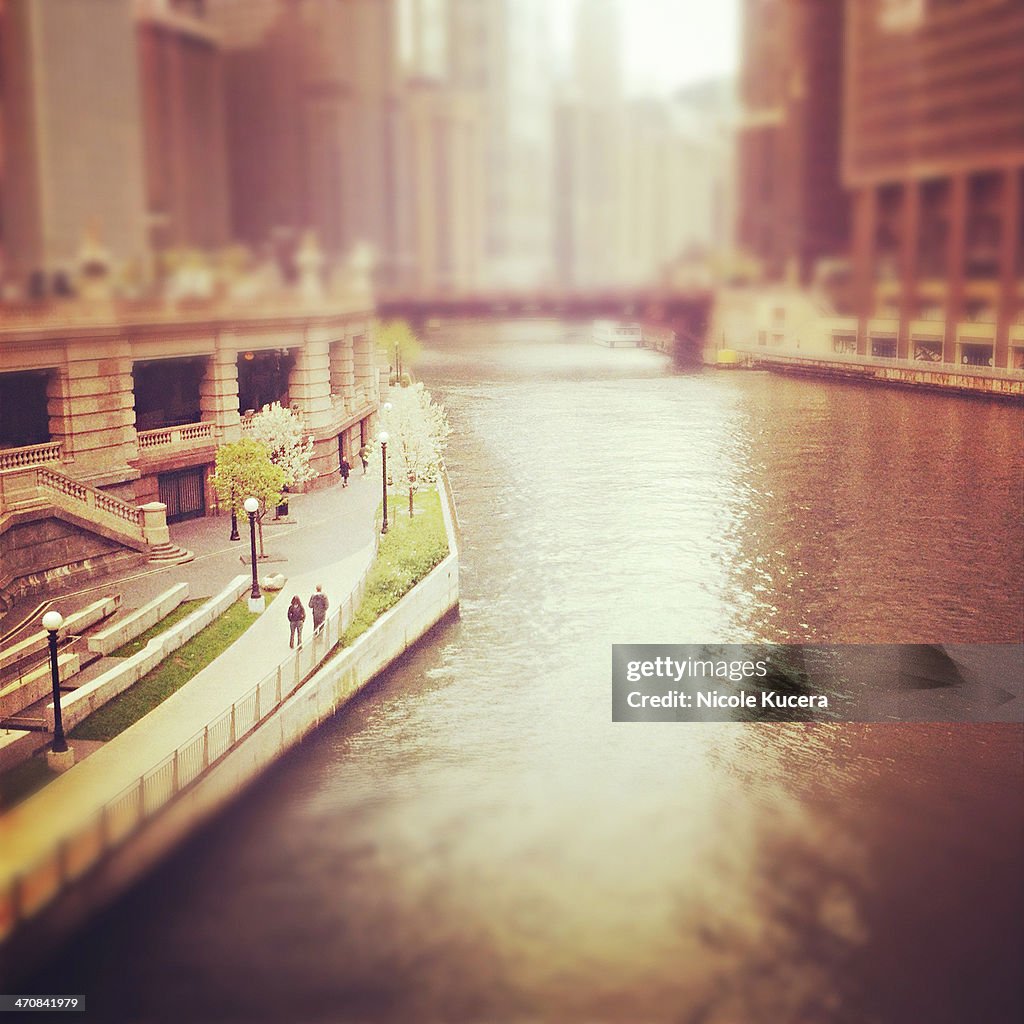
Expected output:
(475, 840)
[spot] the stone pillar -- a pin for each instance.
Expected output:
(364, 369)
(343, 374)
(218, 393)
(309, 385)
(154, 523)
(865, 214)
(955, 263)
(1013, 183)
(99, 414)
(911, 227)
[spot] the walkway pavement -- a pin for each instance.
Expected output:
(330, 542)
(323, 525)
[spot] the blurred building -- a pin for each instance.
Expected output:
(500, 51)
(73, 137)
(114, 392)
(589, 155)
(933, 157)
(792, 207)
(342, 118)
(880, 182)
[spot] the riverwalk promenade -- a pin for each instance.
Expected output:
(329, 539)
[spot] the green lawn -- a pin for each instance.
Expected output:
(408, 551)
(136, 645)
(169, 676)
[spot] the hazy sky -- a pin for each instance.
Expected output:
(669, 43)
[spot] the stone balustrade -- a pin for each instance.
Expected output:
(30, 455)
(187, 433)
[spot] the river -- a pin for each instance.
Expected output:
(474, 839)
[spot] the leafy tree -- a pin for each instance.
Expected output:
(244, 470)
(281, 431)
(419, 433)
(397, 336)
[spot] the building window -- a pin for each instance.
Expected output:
(844, 344)
(883, 348)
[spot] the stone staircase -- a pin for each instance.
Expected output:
(52, 526)
(169, 554)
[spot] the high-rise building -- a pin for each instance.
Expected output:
(183, 126)
(73, 139)
(499, 52)
(589, 153)
(933, 156)
(342, 118)
(792, 209)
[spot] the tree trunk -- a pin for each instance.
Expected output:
(410, 503)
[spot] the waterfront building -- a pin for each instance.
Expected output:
(933, 158)
(922, 147)
(120, 376)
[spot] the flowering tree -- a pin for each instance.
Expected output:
(419, 433)
(280, 431)
(244, 470)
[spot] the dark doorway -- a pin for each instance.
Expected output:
(23, 417)
(184, 493)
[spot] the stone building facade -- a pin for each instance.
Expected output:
(107, 410)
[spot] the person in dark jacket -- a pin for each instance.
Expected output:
(296, 617)
(318, 606)
(345, 470)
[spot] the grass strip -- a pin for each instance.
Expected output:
(408, 551)
(169, 676)
(136, 645)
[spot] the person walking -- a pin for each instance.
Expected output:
(296, 617)
(318, 606)
(345, 470)
(364, 457)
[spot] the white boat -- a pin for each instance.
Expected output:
(615, 332)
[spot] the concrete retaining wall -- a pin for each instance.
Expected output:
(318, 698)
(137, 622)
(93, 695)
(74, 623)
(35, 684)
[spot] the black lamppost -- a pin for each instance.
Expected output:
(234, 518)
(383, 438)
(256, 596)
(52, 621)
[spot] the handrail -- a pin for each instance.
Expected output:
(91, 496)
(881, 363)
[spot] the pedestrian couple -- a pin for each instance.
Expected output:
(297, 615)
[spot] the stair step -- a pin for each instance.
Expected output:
(169, 554)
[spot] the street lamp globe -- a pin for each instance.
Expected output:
(251, 506)
(383, 437)
(386, 407)
(52, 621)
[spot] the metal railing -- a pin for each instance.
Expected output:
(882, 362)
(120, 816)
